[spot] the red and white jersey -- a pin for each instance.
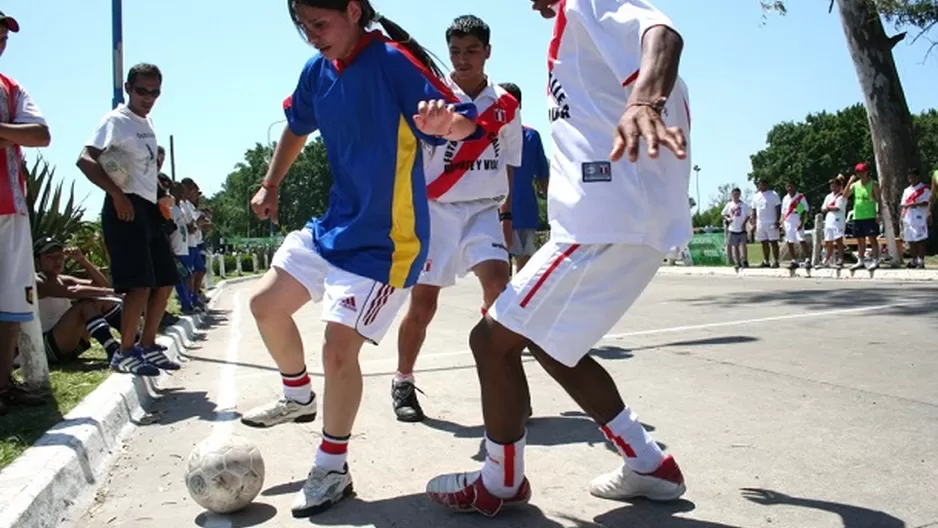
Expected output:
(462, 171)
(593, 61)
(15, 107)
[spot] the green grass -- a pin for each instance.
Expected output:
(70, 383)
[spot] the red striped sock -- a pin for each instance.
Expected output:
(633, 442)
(503, 470)
(332, 452)
(297, 387)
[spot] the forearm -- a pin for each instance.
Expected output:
(506, 207)
(661, 57)
(88, 292)
(26, 135)
(92, 170)
(461, 129)
(94, 273)
(288, 149)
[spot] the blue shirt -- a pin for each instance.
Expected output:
(377, 224)
(524, 211)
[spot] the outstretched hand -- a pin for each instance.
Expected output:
(642, 121)
(434, 118)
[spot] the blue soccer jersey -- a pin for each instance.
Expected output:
(378, 223)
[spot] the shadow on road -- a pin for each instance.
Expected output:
(851, 516)
(255, 514)
(924, 298)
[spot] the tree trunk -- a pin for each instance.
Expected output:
(890, 121)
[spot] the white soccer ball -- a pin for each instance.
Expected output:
(224, 473)
(117, 164)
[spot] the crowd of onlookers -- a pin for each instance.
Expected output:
(770, 218)
(152, 227)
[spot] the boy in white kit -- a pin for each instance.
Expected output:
(795, 210)
(835, 214)
(735, 214)
(468, 184)
(915, 201)
(612, 221)
(766, 210)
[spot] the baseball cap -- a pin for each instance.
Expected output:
(862, 166)
(9, 22)
(45, 245)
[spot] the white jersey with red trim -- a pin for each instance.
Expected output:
(593, 60)
(463, 171)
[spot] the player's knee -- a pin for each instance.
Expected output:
(422, 309)
(88, 310)
(340, 349)
(480, 342)
(492, 288)
(263, 305)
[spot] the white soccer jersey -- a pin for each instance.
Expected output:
(593, 60)
(462, 171)
(835, 218)
(917, 216)
(792, 209)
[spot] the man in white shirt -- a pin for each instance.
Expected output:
(914, 204)
(469, 186)
(197, 219)
(735, 215)
(835, 214)
(142, 264)
(795, 210)
(612, 222)
(180, 242)
(766, 211)
(21, 125)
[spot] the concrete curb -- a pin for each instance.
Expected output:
(882, 274)
(39, 487)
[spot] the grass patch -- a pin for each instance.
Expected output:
(70, 383)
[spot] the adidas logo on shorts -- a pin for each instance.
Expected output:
(348, 302)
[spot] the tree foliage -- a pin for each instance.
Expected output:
(811, 152)
(304, 192)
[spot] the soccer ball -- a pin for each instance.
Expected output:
(116, 163)
(224, 473)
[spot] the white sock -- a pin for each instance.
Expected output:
(297, 387)
(503, 470)
(641, 453)
(332, 453)
(401, 378)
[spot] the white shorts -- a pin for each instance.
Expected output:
(833, 233)
(569, 296)
(364, 304)
(766, 232)
(914, 232)
(17, 278)
(461, 236)
(523, 242)
(793, 234)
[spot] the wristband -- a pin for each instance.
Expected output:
(504, 215)
(657, 105)
(269, 187)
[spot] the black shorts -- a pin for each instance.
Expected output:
(865, 228)
(141, 254)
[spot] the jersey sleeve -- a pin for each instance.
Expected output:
(27, 112)
(841, 203)
(616, 27)
(514, 140)
(726, 210)
(412, 82)
(108, 134)
(298, 107)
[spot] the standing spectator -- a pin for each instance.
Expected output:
(180, 242)
(735, 213)
(796, 210)
(534, 170)
(196, 260)
(915, 198)
(21, 125)
(835, 213)
(866, 217)
(142, 264)
(766, 210)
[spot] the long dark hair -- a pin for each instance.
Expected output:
(369, 16)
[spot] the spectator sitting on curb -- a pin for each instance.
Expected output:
(68, 326)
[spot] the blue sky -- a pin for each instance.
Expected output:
(228, 65)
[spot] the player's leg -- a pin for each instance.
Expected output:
(376, 306)
(410, 338)
(132, 274)
(63, 341)
(166, 275)
(556, 280)
(295, 277)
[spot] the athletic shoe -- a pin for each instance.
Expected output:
(133, 362)
(465, 492)
(323, 489)
(280, 412)
(156, 356)
(18, 394)
(663, 484)
(404, 401)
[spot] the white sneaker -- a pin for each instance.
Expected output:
(664, 484)
(323, 488)
(280, 412)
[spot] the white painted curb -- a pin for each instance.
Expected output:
(882, 274)
(39, 487)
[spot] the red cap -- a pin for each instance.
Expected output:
(861, 167)
(9, 22)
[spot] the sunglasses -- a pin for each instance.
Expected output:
(141, 91)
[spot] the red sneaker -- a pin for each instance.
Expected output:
(464, 492)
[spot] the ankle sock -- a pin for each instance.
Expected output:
(297, 387)
(633, 442)
(503, 470)
(333, 452)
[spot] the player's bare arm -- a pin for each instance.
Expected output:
(26, 135)
(439, 118)
(97, 277)
(661, 57)
(89, 166)
(264, 204)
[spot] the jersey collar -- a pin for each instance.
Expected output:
(367, 38)
(487, 92)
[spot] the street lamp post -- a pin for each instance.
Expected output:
(697, 170)
(117, 53)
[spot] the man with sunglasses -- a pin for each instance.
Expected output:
(143, 266)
